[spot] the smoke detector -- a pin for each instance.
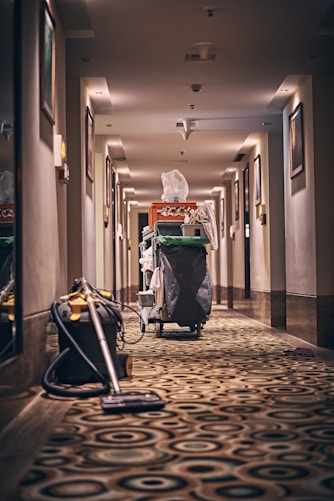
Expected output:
(210, 10)
(196, 87)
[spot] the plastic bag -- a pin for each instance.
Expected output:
(175, 186)
(206, 216)
(7, 190)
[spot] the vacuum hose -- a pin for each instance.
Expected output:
(48, 375)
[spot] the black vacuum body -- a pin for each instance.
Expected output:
(73, 369)
(87, 335)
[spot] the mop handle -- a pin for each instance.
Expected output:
(101, 336)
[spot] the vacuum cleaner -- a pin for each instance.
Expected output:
(83, 297)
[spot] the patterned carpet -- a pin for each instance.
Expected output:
(243, 420)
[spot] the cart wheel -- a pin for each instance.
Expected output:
(142, 326)
(158, 329)
(198, 329)
(125, 361)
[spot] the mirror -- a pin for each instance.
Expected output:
(8, 176)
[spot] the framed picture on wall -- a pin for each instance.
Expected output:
(47, 62)
(222, 212)
(89, 145)
(236, 198)
(108, 181)
(296, 140)
(257, 176)
(107, 191)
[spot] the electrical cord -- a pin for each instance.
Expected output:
(108, 303)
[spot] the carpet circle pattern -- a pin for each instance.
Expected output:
(242, 421)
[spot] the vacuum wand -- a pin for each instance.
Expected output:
(118, 401)
(100, 335)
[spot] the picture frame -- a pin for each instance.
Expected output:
(236, 196)
(107, 191)
(47, 62)
(89, 145)
(257, 176)
(296, 140)
(222, 212)
(108, 182)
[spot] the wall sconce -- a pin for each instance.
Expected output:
(59, 151)
(6, 129)
(64, 174)
(59, 158)
(262, 214)
(106, 216)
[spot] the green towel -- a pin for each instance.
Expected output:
(6, 241)
(182, 240)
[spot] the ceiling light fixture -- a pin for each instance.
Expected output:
(185, 133)
(204, 49)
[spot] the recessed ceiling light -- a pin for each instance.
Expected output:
(284, 90)
(108, 125)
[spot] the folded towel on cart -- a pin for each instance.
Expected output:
(157, 284)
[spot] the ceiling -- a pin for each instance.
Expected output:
(141, 59)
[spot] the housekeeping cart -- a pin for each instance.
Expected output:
(180, 288)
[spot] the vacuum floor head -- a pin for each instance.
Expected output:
(131, 402)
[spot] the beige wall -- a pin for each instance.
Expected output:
(99, 221)
(309, 201)
(323, 113)
(134, 252)
(275, 212)
(266, 241)
(259, 234)
(300, 242)
(44, 231)
(225, 249)
(238, 242)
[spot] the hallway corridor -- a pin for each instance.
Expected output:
(246, 417)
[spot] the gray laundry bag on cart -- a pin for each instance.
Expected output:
(187, 283)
